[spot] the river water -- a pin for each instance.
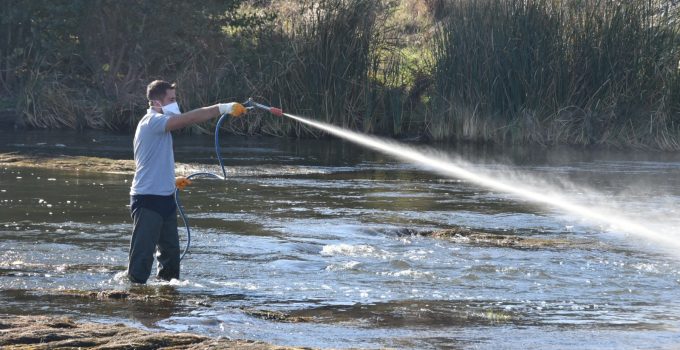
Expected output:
(323, 231)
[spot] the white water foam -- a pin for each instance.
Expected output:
(359, 250)
(345, 266)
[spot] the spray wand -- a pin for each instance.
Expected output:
(250, 104)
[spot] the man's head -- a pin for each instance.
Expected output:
(160, 93)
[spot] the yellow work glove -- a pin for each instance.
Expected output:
(181, 182)
(234, 108)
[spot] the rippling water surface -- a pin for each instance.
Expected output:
(323, 232)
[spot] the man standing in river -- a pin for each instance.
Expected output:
(152, 203)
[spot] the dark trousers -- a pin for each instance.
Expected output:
(152, 231)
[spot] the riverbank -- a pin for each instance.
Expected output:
(43, 332)
(597, 74)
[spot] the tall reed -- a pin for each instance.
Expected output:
(85, 63)
(319, 60)
(548, 71)
(542, 71)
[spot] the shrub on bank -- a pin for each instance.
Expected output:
(538, 71)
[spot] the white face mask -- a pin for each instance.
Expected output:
(171, 109)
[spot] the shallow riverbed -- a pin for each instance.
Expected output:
(314, 243)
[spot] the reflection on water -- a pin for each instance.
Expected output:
(321, 231)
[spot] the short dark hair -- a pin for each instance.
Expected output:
(157, 89)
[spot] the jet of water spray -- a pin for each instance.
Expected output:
(447, 168)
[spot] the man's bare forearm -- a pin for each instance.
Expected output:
(196, 116)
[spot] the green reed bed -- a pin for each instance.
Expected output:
(85, 63)
(576, 72)
(532, 71)
(317, 59)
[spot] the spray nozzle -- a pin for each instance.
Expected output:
(250, 104)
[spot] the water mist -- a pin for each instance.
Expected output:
(459, 169)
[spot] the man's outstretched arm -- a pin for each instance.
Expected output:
(200, 115)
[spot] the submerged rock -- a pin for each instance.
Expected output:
(152, 297)
(466, 235)
(102, 295)
(42, 332)
(276, 316)
(60, 161)
(415, 313)
(159, 298)
(77, 163)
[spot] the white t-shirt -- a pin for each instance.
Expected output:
(154, 158)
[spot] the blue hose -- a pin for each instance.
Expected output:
(202, 174)
(217, 144)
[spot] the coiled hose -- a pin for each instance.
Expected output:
(202, 174)
(250, 104)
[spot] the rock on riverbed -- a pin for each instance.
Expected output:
(42, 332)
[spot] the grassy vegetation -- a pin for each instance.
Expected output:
(509, 71)
(580, 72)
(318, 60)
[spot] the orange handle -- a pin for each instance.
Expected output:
(182, 182)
